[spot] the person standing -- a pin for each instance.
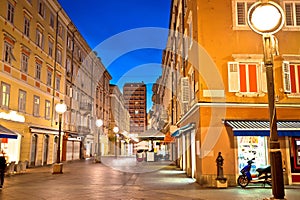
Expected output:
(2, 170)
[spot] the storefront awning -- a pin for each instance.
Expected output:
(151, 133)
(176, 133)
(262, 128)
(6, 133)
(168, 138)
(183, 129)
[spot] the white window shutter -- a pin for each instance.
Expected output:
(185, 90)
(289, 21)
(233, 77)
(264, 86)
(241, 13)
(286, 77)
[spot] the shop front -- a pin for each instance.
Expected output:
(186, 148)
(252, 140)
(10, 144)
(295, 159)
(43, 145)
(71, 147)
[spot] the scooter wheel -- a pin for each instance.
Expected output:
(243, 181)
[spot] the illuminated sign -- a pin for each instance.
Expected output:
(13, 116)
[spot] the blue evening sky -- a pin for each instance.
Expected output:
(119, 31)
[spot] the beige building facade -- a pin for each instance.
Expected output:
(120, 141)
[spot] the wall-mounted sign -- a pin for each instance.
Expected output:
(13, 116)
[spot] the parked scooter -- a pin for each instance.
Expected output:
(264, 175)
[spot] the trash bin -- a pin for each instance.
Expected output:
(140, 155)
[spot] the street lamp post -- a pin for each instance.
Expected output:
(60, 108)
(266, 18)
(99, 123)
(116, 130)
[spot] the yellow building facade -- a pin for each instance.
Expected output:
(32, 46)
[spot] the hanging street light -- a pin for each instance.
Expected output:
(267, 18)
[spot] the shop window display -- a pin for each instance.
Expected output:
(295, 155)
(252, 147)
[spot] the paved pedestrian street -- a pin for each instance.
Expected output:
(114, 179)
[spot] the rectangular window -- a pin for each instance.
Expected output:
(36, 106)
(24, 63)
(38, 70)
(57, 83)
(47, 109)
(26, 26)
(241, 11)
(41, 8)
(8, 55)
(10, 12)
(22, 101)
(68, 66)
(60, 30)
(49, 78)
(5, 94)
(59, 56)
(291, 77)
(246, 77)
(51, 23)
(39, 39)
(292, 14)
(50, 48)
(70, 42)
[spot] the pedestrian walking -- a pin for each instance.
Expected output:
(2, 170)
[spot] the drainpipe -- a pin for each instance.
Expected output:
(54, 71)
(183, 38)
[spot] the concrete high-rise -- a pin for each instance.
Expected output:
(135, 96)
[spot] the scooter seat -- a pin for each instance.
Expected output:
(264, 170)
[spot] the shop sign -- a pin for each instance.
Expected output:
(13, 116)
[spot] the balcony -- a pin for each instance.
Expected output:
(85, 106)
(83, 130)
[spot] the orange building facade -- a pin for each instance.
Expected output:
(217, 89)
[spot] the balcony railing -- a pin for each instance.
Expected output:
(84, 130)
(85, 106)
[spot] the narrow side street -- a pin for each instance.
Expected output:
(87, 180)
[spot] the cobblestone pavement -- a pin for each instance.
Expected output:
(115, 180)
